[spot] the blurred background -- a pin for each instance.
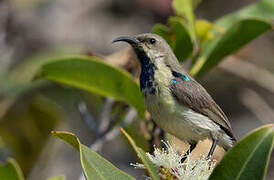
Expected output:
(34, 30)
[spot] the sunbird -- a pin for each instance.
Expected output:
(176, 101)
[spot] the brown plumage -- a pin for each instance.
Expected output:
(193, 95)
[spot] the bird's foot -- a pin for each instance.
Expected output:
(208, 157)
(191, 148)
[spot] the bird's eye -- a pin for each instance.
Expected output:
(152, 41)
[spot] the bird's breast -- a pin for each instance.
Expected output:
(175, 118)
(161, 104)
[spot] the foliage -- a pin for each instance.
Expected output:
(203, 42)
(249, 158)
(94, 166)
(92, 74)
(11, 170)
(237, 35)
(152, 171)
(217, 40)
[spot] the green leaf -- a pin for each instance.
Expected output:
(68, 137)
(11, 170)
(263, 9)
(152, 170)
(249, 158)
(92, 74)
(94, 165)
(233, 39)
(162, 31)
(185, 8)
(177, 36)
(203, 28)
(182, 44)
(60, 177)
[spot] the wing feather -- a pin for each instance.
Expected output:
(192, 94)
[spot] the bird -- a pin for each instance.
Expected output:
(177, 103)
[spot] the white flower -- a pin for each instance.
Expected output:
(199, 169)
(138, 166)
(169, 162)
(166, 157)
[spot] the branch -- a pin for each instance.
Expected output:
(86, 116)
(112, 134)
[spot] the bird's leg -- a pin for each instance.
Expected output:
(191, 148)
(214, 143)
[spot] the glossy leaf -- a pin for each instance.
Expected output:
(182, 44)
(249, 158)
(61, 177)
(11, 170)
(94, 165)
(152, 170)
(263, 9)
(233, 39)
(177, 36)
(162, 31)
(68, 137)
(203, 28)
(91, 74)
(185, 8)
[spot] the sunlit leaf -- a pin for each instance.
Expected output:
(182, 44)
(235, 37)
(177, 36)
(163, 31)
(203, 28)
(92, 74)
(263, 9)
(152, 170)
(249, 158)
(94, 165)
(185, 8)
(25, 71)
(68, 137)
(11, 170)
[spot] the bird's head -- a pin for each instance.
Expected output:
(150, 48)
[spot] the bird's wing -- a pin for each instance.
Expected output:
(193, 95)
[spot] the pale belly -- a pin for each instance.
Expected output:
(179, 120)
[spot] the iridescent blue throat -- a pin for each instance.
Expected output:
(147, 73)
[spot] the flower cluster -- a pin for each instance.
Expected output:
(168, 160)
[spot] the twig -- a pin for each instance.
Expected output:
(86, 116)
(113, 120)
(111, 134)
(104, 116)
(97, 145)
(103, 119)
(104, 130)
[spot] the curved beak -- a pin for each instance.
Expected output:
(131, 40)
